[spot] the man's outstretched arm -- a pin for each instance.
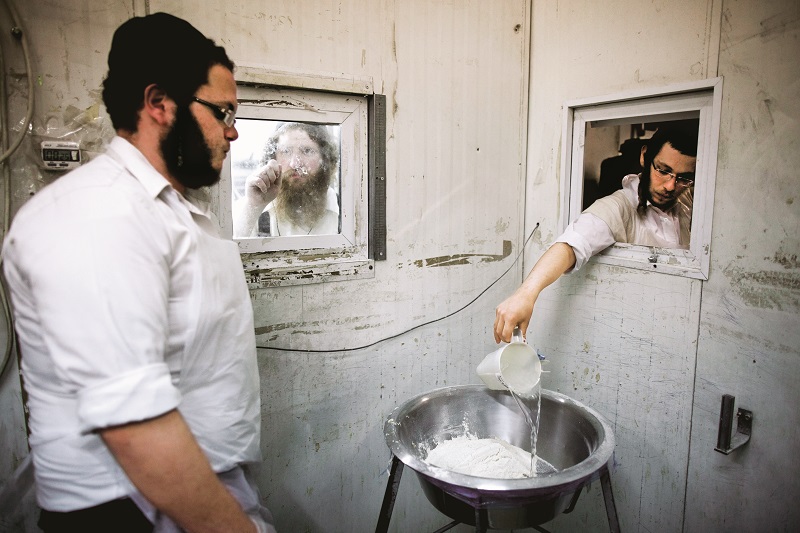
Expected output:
(516, 310)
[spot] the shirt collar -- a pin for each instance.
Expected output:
(138, 165)
(153, 181)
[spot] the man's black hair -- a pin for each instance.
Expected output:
(156, 49)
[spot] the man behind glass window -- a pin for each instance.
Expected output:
(133, 316)
(291, 193)
(653, 208)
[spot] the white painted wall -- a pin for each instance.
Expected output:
(455, 77)
(640, 346)
(749, 335)
(623, 341)
(636, 346)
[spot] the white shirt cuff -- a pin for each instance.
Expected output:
(140, 394)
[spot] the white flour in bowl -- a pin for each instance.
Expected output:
(492, 458)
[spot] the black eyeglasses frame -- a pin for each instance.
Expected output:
(680, 179)
(225, 115)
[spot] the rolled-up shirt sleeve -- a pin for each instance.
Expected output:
(143, 393)
(588, 236)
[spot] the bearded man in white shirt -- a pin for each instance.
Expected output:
(138, 354)
(291, 193)
(653, 208)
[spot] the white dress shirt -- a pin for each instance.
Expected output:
(127, 305)
(615, 219)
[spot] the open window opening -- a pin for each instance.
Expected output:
(604, 139)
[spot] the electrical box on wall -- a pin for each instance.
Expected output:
(60, 155)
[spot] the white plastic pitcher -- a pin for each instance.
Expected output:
(514, 366)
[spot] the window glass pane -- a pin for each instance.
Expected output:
(285, 179)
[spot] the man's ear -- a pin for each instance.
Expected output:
(641, 156)
(158, 105)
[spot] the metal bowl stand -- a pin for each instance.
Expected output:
(393, 484)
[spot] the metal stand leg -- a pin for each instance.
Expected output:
(395, 473)
(480, 527)
(608, 497)
(574, 501)
(448, 527)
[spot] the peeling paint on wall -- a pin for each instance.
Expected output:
(464, 259)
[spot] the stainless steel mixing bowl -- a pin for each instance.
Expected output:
(573, 438)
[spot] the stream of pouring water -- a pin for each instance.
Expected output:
(529, 404)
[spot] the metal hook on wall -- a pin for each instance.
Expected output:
(744, 423)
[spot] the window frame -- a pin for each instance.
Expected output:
(293, 260)
(703, 98)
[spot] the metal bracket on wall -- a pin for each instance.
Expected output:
(744, 423)
(376, 117)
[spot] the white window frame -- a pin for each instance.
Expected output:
(703, 98)
(270, 94)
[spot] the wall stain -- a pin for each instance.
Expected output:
(463, 259)
(785, 260)
(766, 289)
(777, 25)
(308, 326)
(501, 226)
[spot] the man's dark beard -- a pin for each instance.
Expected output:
(302, 203)
(186, 152)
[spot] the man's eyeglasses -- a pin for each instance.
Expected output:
(681, 179)
(225, 115)
(303, 152)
